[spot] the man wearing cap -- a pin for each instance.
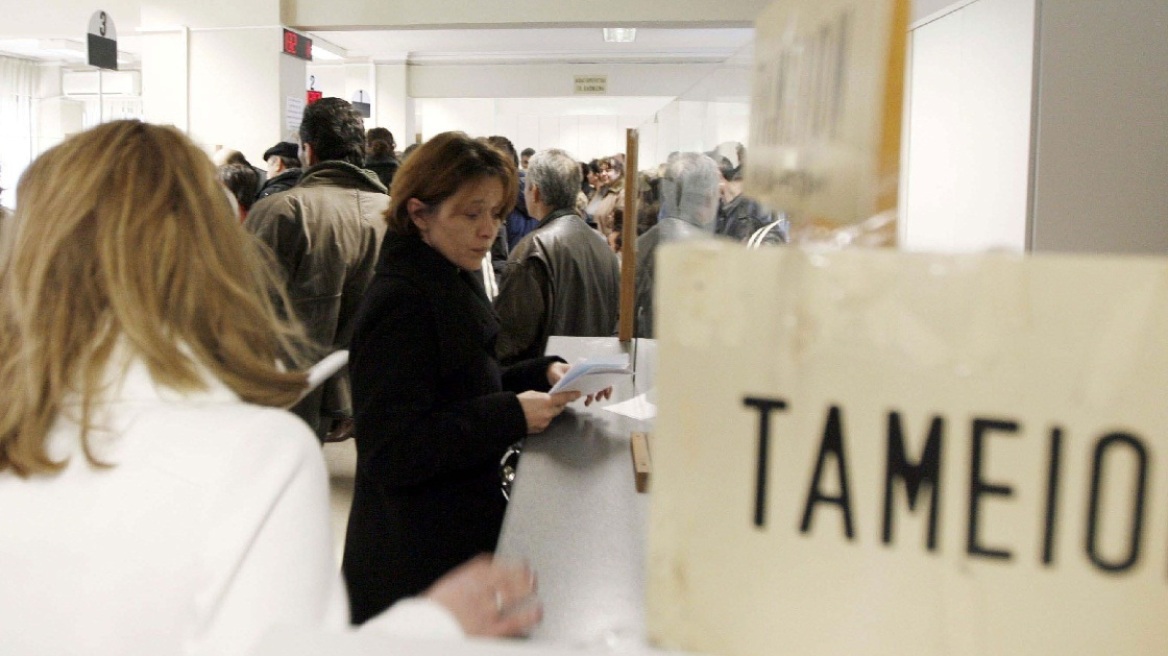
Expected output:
(283, 168)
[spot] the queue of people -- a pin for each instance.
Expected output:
(155, 330)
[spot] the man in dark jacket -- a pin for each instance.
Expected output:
(689, 208)
(283, 162)
(325, 232)
(739, 216)
(562, 278)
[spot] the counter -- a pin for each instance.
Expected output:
(576, 516)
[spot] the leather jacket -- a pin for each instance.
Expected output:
(561, 279)
(324, 233)
(741, 217)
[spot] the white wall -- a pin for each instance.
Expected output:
(235, 89)
(165, 93)
(589, 128)
(967, 165)
(552, 80)
(393, 109)
(1038, 126)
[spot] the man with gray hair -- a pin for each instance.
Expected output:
(689, 208)
(561, 278)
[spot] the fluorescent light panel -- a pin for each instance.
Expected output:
(620, 34)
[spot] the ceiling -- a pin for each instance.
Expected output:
(561, 45)
(462, 46)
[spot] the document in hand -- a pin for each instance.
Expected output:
(594, 374)
(323, 370)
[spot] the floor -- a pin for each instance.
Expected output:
(341, 458)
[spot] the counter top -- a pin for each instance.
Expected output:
(576, 516)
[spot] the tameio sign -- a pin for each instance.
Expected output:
(921, 481)
(890, 454)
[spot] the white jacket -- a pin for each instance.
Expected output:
(210, 529)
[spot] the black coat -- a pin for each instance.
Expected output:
(385, 168)
(282, 182)
(433, 421)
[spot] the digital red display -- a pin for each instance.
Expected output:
(297, 45)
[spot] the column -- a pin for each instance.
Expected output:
(216, 70)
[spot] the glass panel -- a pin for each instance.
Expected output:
(691, 159)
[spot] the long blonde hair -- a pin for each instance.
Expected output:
(123, 236)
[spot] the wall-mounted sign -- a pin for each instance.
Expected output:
(297, 45)
(361, 103)
(293, 115)
(909, 455)
(591, 85)
(312, 95)
(103, 41)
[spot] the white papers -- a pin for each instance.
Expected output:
(293, 113)
(594, 374)
(638, 407)
(323, 370)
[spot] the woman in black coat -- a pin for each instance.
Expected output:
(434, 411)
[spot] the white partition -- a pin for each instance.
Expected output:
(968, 129)
(1037, 126)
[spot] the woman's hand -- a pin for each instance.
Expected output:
(556, 371)
(540, 408)
(489, 597)
(605, 393)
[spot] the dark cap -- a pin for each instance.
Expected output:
(283, 149)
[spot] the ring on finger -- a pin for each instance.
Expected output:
(499, 601)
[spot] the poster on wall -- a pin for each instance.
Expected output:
(825, 121)
(293, 115)
(888, 454)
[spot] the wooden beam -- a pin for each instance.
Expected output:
(628, 289)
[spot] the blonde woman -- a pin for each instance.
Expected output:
(155, 497)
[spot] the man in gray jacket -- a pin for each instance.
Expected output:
(325, 233)
(561, 278)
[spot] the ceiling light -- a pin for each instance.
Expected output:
(620, 34)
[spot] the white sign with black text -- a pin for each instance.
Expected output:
(888, 454)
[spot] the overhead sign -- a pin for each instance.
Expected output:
(361, 104)
(591, 85)
(102, 41)
(297, 45)
(869, 452)
(312, 95)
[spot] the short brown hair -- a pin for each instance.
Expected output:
(439, 168)
(124, 238)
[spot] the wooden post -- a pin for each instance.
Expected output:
(642, 461)
(628, 289)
